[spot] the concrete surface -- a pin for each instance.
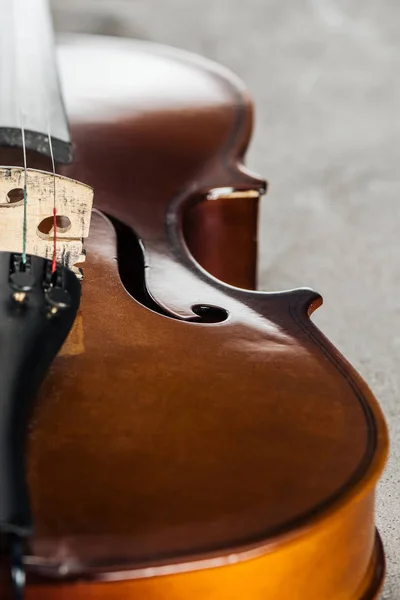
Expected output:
(325, 78)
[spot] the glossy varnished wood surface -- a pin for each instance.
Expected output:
(221, 460)
(324, 563)
(222, 236)
(169, 128)
(207, 438)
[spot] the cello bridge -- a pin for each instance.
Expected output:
(44, 192)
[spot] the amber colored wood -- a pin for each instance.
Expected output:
(283, 573)
(182, 460)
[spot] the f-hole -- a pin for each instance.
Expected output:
(131, 271)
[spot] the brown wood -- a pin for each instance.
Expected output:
(192, 109)
(183, 460)
(222, 236)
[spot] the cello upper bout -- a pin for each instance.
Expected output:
(165, 129)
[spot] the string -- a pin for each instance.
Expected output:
(54, 261)
(25, 225)
(22, 127)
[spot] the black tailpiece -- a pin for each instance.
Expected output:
(37, 310)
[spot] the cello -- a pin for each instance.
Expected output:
(172, 434)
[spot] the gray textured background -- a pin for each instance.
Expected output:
(324, 75)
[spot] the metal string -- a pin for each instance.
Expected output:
(25, 225)
(54, 261)
(20, 117)
(25, 189)
(16, 544)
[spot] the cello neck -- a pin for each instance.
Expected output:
(30, 95)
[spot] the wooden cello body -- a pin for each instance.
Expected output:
(192, 440)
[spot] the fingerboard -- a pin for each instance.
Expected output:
(30, 93)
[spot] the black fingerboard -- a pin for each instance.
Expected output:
(30, 93)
